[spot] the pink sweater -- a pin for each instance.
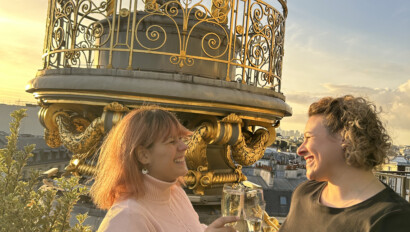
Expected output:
(165, 207)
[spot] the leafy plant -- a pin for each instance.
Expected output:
(24, 206)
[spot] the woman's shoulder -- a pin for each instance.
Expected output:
(391, 216)
(390, 201)
(310, 185)
(126, 214)
(129, 205)
(129, 202)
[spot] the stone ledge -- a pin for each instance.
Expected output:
(162, 76)
(159, 85)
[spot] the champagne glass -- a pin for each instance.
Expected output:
(232, 200)
(254, 206)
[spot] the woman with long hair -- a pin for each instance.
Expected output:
(139, 176)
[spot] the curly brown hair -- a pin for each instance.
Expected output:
(366, 141)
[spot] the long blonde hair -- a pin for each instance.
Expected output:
(118, 169)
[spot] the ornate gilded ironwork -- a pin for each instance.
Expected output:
(64, 126)
(244, 39)
(77, 134)
(272, 222)
(250, 147)
(48, 118)
(246, 147)
(196, 153)
(220, 10)
(200, 179)
(75, 141)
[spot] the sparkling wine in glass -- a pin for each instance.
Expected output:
(232, 201)
(254, 207)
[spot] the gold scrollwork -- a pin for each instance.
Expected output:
(110, 4)
(200, 179)
(228, 158)
(196, 153)
(115, 106)
(47, 116)
(220, 10)
(232, 118)
(151, 5)
(75, 141)
(248, 152)
(239, 29)
(182, 60)
(215, 133)
(256, 47)
(271, 221)
(82, 137)
(52, 138)
(65, 126)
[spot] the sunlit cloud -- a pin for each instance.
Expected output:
(393, 103)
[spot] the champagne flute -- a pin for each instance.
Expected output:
(232, 200)
(254, 207)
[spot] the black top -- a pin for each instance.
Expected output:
(385, 211)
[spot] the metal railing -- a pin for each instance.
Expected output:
(244, 38)
(397, 180)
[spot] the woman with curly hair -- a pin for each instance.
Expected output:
(344, 140)
(139, 176)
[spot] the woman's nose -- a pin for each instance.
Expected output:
(182, 146)
(301, 149)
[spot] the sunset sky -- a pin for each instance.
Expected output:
(332, 48)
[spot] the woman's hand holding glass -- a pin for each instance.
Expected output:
(219, 225)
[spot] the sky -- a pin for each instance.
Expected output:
(358, 47)
(332, 48)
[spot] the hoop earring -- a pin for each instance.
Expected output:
(144, 171)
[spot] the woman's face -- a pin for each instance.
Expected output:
(167, 159)
(323, 152)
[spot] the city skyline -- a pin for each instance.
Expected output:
(332, 48)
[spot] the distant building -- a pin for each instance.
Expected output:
(398, 163)
(406, 152)
(279, 173)
(278, 198)
(277, 192)
(32, 132)
(44, 157)
(29, 125)
(263, 174)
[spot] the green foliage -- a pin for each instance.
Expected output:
(24, 207)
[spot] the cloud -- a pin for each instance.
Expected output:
(301, 98)
(394, 103)
(336, 90)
